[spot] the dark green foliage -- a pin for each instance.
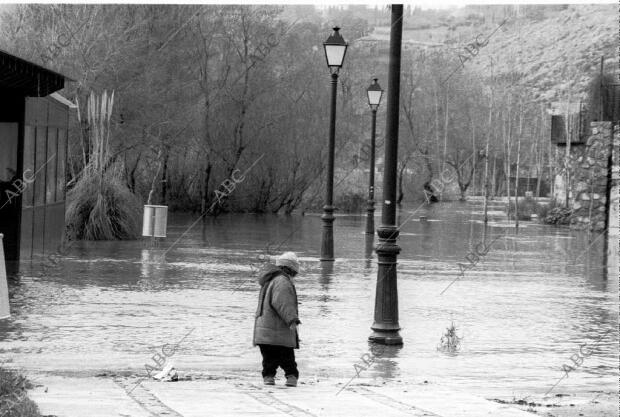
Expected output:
(351, 202)
(205, 90)
(13, 399)
(551, 213)
(555, 214)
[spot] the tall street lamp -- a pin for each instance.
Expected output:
(335, 50)
(374, 93)
(385, 328)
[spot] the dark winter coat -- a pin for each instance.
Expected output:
(277, 310)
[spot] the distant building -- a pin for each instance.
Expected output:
(33, 155)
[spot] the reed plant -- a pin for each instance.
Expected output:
(100, 206)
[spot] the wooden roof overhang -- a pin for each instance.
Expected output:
(27, 78)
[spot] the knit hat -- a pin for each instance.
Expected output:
(288, 259)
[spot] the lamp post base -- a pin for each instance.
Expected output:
(327, 244)
(370, 218)
(385, 326)
(391, 337)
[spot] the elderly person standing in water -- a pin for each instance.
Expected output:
(275, 325)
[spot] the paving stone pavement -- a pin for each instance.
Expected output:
(124, 397)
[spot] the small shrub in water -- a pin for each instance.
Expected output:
(450, 342)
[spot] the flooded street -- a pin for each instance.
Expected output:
(522, 310)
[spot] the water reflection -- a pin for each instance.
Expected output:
(204, 231)
(324, 299)
(613, 262)
(11, 268)
(152, 275)
(369, 250)
(327, 272)
(386, 360)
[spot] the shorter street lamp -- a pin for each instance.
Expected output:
(375, 93)
(335, 50)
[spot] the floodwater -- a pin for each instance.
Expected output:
(523, 310)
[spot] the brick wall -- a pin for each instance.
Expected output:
(614, 210)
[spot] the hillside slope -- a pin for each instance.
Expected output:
(557, 56)
(553, 58)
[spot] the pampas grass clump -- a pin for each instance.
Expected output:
(102, 208)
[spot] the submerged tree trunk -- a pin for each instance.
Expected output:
(152, 191)
(205, 188)
(539, 157)
(473, 147)
(567, 154)
(439, 168)
(164, 178)
(445, 134)
(401, 193)
(131, 177)
(507, 168)
(486, 162)
(518, 160)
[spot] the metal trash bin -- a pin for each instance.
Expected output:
(155, 221)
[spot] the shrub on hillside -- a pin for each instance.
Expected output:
(555, 214)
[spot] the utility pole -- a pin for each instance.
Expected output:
(385, 329)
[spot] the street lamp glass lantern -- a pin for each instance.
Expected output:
(375, 93)
(335, 50)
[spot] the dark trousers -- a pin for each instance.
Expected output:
(282, 356)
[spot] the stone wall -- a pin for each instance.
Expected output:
(614, 198)
(589, 178)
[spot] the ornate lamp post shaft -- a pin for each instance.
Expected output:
(327, 245)
(374, 93)
(386, 327)
(370, 217)
(335, 50)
